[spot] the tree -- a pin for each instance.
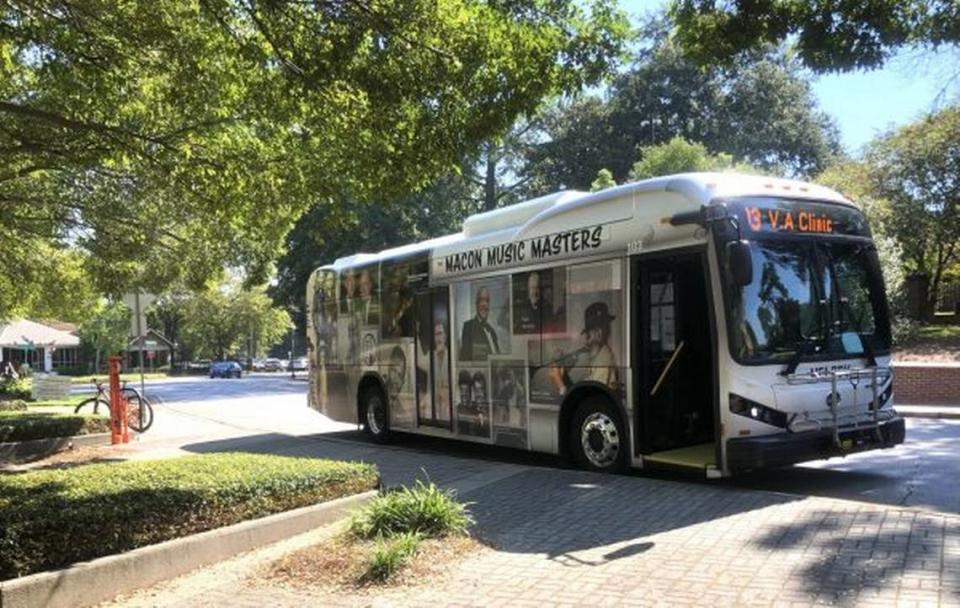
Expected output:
(852, 179)
(604, 180)
(680, 156)
(42, 281)
(499, 172)
(106, 330)
(830, 36)
(168, 139)
(760, 111)
(320, 237)
(228, 319)
(917, 169)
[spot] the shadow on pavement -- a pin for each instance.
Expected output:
(571, 516)
(859, 553)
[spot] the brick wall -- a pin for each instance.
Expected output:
(926, 383)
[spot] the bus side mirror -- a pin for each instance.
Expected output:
(741, 262)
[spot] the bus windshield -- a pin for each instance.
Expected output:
(822, 297)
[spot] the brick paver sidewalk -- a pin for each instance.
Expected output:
(569, 538)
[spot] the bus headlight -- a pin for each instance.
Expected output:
(757, 411)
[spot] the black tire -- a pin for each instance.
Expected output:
(597, 440)
(92, 406)
(375, 415)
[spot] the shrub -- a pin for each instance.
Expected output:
(52, 518)
(424, 510)
(390, 555)
(905, 331)
(14, 405)
(24, 426)
(19, 388)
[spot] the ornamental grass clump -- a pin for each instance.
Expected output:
(424, 509)
(389, 555)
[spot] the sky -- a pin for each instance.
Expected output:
(865, 104)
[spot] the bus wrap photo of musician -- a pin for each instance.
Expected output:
(595, 360)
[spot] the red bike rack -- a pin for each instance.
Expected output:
(119, 433)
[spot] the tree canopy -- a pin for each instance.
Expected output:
(917, 169)
(228, 319)
(320, 236)
(760, 111)
(166, 139)
(829, 35)
(680, 156)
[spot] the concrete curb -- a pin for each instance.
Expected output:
(21, 450)
(90, 583)
(948, 413)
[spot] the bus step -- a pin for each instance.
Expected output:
(696, 456)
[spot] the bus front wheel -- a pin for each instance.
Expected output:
(376, 422)
(597, 440)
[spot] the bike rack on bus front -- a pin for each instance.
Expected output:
(853, 376)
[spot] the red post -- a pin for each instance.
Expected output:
(118, 406)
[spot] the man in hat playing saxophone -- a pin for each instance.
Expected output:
(595, 361)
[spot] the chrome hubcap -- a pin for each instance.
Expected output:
(600, 440)
(375, 415)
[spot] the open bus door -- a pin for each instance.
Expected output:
(674, 360)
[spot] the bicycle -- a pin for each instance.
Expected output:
(135, 403)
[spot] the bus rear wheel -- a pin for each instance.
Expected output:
(374, 414)
(597, 439)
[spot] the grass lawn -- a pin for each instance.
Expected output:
(933, 343)
(53, 518)
(129, 377)
(71, 401)
(949, 334)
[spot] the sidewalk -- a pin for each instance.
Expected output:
(947, 412)
(570, 538)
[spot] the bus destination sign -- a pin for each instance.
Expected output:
(788, 220)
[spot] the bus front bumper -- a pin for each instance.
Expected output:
(767, 451)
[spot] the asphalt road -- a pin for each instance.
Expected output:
(923, 472)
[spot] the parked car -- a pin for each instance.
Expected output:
(225, 369)
(298, 364)
(271, 364)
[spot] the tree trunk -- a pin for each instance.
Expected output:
(490, 182)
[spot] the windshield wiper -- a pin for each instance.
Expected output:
(803, 348)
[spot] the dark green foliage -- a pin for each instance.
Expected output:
(424, 509)
(390, 555)
(18, 388)
(916, 170)
(324, 233)
(168, 139)
(50, 519)
(760, 111)
(829, 35)
(25, 426)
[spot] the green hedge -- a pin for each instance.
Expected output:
(50, 519)
(16, 389)
(24, 426)
(14, 405)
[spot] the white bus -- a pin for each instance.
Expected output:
(710, 321)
